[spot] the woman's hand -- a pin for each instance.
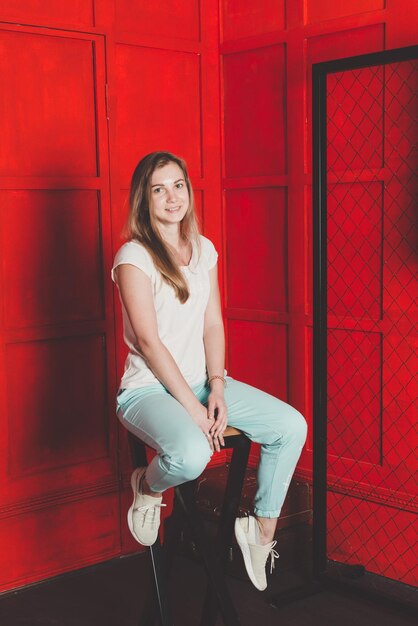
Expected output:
(200, 416)
(217, 412)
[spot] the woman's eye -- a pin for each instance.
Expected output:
(179, 185)
(157, 189)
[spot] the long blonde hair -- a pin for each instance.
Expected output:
(141, 226)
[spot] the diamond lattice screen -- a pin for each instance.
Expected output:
(372, 264)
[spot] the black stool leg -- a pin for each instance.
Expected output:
(156, 603)
(236, 475)
(185, 494)
(172, 538)
(241, 448)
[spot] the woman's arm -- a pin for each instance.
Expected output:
(136, 295)
(214, 340)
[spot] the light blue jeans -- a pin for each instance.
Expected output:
(159, 420)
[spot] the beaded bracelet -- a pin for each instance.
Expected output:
(214, 378)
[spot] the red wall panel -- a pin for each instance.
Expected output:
(251, 346)
(158, 106)
(65, 391)
(251, 148)
(48, 12)
(331, 10)
(59, 231)
(245, 18)
(257, 249)
(179, 19)
(39, 106)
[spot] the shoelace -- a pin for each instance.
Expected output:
(148, 507)
(273, 554)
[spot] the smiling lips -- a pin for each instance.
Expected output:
(173, 210)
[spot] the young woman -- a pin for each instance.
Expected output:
(174, 394)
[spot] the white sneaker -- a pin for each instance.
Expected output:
(144, 514)
(255, 555)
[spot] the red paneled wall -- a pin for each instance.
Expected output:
(267, 51)
(88, 87)
(59, 505)
(91, 86)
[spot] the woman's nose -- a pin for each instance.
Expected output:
(171, 195)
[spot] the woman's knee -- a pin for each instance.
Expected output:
(296, 428)
(289, 427)
(190, 460)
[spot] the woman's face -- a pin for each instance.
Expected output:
(169, 195)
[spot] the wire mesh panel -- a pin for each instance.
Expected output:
(371, 267)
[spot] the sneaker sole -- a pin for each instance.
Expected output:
(136, 474)
(243, 544)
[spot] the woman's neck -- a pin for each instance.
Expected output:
(180, 248)
(172, 236)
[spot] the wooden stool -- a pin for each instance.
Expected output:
(217, 597)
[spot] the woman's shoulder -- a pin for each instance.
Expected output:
(134, 253)
(132, 248)
(205, 243)
(208, 251)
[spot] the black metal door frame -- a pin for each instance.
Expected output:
(320, 72)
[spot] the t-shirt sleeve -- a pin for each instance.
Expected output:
(210, 252)
(132, 253)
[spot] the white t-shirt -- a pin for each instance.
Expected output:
(180, 326)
